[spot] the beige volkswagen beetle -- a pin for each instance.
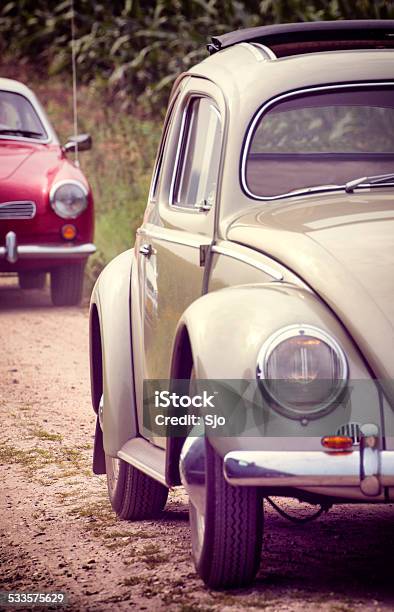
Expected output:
(263, 269)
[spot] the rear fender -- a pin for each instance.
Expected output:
(111, 353)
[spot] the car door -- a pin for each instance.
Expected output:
(179, 220)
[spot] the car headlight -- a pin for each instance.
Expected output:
(302, 370)
(68, 199)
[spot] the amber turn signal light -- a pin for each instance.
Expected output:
(69, 231)
(337, 442)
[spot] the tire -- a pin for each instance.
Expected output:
(67, 284)
(227, 541)
(133, 495)
(32, 280)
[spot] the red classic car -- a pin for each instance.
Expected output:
(46, 204)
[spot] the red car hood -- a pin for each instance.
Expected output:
(24, 161)
(12, 157)
(343, 247)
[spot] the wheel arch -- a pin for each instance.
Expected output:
(181, 366)
(96, 359)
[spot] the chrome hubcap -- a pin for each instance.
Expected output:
(101, 412)
(113, 469)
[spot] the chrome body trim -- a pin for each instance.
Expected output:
(11, 252)
(166, 237)
(147, 250)
(264, 108)
(34, 251)
(18, 209)
(220, 250)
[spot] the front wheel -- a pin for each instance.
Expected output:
(32, 280)
(227, 538)
(133, 495)
(67, 284)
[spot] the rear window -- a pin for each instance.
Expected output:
(18, 117)
(319, 139)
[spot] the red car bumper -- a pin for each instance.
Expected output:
(14, 257)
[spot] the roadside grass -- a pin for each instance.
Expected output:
(68, 460)
(41, 434)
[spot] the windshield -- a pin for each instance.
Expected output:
(18, 117)
(321, 139)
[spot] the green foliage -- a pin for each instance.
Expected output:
(119, 166)
(129, 53)
(138, 48)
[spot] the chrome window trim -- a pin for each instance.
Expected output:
(189, 100)
(50, 135)
(267, 106)
(220, 250)
(152, 197)
(15, 203)
(178, 154)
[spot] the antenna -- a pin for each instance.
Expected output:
(74, 74)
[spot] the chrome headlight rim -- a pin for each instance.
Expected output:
(61, 183)
(294, 331)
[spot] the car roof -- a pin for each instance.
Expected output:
(268, 60)
(285, 37)
(247, 73)
(16, 87)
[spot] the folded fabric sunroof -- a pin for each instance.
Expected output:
(291, 38)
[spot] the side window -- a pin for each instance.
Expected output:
(197, 172)
(160, 155)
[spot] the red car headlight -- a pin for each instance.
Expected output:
(68, 199)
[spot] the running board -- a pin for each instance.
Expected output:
(144, 456)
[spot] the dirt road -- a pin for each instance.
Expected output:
(57, 531)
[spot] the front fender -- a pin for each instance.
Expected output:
(110, 305)
(228, 327)
(223, 333)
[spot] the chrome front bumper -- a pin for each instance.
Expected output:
(12, 252)
(370, 469)
(367, 468)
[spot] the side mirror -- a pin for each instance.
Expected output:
(83, 141)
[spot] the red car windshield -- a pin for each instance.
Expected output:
(18, 117)
(320, 139)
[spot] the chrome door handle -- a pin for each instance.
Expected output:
(146, 250)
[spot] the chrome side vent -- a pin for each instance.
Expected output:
(17, 210)
(352, 430)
